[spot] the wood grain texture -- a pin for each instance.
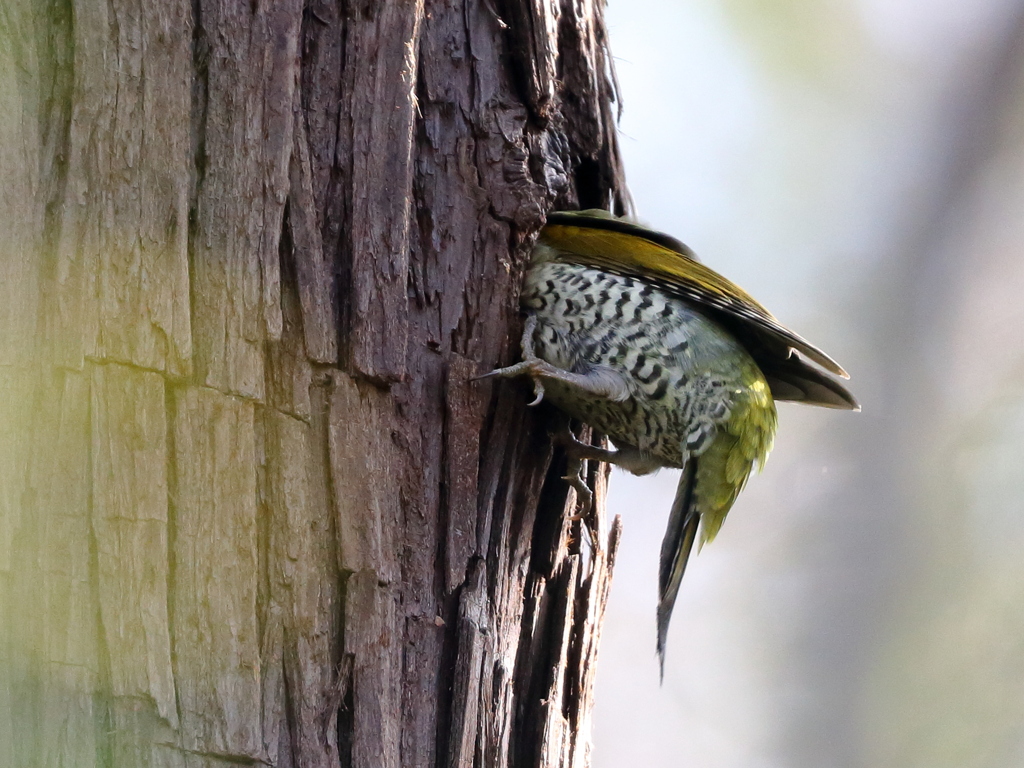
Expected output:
(122, 271)
(533, 29)
(314, 273)
(15, 419)
(215, 628)
(136, 738)
(582, 663)
(249, 70)
(8, 707)
(376, 136)
(368, 513)
(303, 582)
(464, 416)
(129, 526)
(65, 632)
(373, 639)
(255, 508)
(21, 155)
(289, 373)
(467, 703)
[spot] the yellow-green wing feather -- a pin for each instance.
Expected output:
(742, 442)
(594, 241)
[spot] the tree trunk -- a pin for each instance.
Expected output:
(252, 507)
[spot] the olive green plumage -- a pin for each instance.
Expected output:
(629, 333)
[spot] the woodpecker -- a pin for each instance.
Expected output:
(627, 331)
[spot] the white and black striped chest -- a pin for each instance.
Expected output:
(682, 369)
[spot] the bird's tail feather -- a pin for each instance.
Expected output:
(675, 550)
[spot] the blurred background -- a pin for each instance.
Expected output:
(858, 166)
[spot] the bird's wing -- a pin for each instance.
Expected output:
(790, 378)
(598, 219)
(628, 249)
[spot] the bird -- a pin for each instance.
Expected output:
(626, 330)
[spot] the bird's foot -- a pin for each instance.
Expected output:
(576, 452)
(574, 476)
(531, 365)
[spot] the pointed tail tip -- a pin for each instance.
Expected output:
(661, 656)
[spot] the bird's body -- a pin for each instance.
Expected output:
(686, 376)
(628, 333)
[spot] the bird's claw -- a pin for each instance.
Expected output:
(538, 391)
(531, 367)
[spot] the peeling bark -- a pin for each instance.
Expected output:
(253, 508)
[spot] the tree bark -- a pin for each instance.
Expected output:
(253, 509)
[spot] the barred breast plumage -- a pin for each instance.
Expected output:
(683, 371)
